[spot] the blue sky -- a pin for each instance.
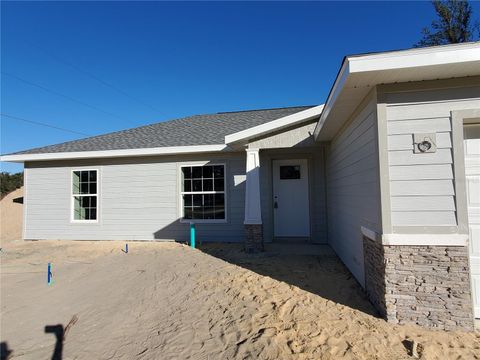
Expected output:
(107, 66)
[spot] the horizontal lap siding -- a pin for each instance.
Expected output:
(422, 185)
(138, 201)
(353, 188)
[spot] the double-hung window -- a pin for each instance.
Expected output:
(203, 193)
(85, 195)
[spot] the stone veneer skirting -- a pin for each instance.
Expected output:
(426, 285)
(253, 238)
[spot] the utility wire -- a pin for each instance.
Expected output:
(61, 95)
(42, 124)
(93, 76)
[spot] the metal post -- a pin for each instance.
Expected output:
(126, 248)
(192, 235)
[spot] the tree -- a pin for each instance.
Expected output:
(10, 182)
(454, 24)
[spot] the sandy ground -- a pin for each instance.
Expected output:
(168, 301)
(11, 217)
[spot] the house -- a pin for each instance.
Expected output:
(387, 172)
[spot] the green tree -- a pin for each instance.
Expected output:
(10, 182)
(454, 24)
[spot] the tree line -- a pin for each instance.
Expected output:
(10, 182)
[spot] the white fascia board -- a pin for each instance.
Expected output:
(450, 54)
(336, 90)
(173, 150)
(274, 125)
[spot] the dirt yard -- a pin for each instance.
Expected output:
(11, 216)
(168, 301)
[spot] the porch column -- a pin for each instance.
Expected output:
(253, 210)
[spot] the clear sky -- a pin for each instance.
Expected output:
(96, 67)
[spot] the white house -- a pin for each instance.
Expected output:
(387, 172)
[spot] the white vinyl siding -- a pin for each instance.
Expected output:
(139, 200)
(298, 136)
(353, 188)
(422, 185)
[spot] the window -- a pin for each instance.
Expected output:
(289, 172)
(203, 192)
(85, 195)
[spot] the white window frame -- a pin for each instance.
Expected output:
(181, 193)
(72, 197)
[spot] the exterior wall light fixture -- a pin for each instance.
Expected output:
(424, 143)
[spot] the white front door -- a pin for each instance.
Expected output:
(290, 198)
(472, 173)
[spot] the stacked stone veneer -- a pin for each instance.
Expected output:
(253, 238)
(426, 285)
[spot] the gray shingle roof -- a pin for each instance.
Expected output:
(194, 130)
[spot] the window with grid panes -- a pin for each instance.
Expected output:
(85, 195)
(203, 192)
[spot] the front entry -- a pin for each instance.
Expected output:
(472, 174)
(291, 199)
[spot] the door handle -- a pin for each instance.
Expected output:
(275, 205)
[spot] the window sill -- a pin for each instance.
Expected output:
(84, 222)
(198, 221)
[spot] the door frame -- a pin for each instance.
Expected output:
(459, 119)
(293, 157)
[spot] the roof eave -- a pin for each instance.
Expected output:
(334, 93)
(173, 150)
(359, 74)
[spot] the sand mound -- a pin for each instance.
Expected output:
(11, 217)
(167, 301)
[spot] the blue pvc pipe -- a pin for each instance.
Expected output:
(192, 235)
(126, 248)
(49, 274)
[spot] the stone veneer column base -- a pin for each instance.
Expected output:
(425, 285)
(253, 238)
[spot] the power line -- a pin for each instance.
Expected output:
(93, 76)
(43, 124)
(61, 95)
